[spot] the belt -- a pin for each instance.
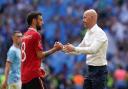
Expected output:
(94, 68)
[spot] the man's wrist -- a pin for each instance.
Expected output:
(54, 49)
(74, 48)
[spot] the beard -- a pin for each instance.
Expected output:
(38, 28)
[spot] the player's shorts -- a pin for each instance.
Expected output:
(16, 85)
(36, 83)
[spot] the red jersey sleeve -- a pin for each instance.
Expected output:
(37, 42)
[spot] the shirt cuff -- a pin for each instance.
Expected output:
(76, 49)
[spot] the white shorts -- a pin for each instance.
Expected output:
(16, 85)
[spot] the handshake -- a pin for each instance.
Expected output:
(66, 48)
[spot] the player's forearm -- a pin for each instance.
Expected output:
(7, 69)
(49, 52)
(41, 54)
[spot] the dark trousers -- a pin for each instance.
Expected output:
(36, 83)
(97, 77)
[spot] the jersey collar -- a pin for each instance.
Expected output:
(31, 28)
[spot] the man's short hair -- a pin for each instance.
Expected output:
(31, 16)
(15, 32)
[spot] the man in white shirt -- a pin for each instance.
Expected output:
(94, 45)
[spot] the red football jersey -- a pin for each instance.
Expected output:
(30, 66)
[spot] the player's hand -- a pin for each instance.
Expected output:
(4, 85)
(58, 46)
(68, 48)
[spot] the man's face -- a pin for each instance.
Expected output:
(86, 20)
(17, 38)
(39, 22)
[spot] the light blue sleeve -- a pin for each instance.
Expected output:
(11, 55)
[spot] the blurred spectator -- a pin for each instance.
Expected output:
(120, 77)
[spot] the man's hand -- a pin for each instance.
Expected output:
(68, 48)
(4, 85)
(58, 46)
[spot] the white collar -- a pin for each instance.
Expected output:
(93, 29)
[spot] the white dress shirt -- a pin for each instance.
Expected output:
(94, 45)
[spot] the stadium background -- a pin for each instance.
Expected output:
(63, 22)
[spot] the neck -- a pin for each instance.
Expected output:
(16, 45)
(91, 26)
(33, 26)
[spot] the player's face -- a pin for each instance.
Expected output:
(39, 22)
(86, 20)
(17, 38)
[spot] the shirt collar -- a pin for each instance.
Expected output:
(93, 29)
(15, 46)
(31, 28)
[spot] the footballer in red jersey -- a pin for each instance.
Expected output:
(32, 75)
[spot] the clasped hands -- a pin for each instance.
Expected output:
(66, 48)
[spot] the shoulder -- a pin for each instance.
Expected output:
(11, 49)
(36, 35)
(11, 52)
(100, 34)
(33, 34)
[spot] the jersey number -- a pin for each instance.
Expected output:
(23, 52)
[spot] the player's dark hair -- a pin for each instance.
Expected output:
(31, 16)
(15, 32)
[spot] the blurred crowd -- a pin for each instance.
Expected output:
(63, 22)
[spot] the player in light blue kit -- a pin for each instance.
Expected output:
(12, 68)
